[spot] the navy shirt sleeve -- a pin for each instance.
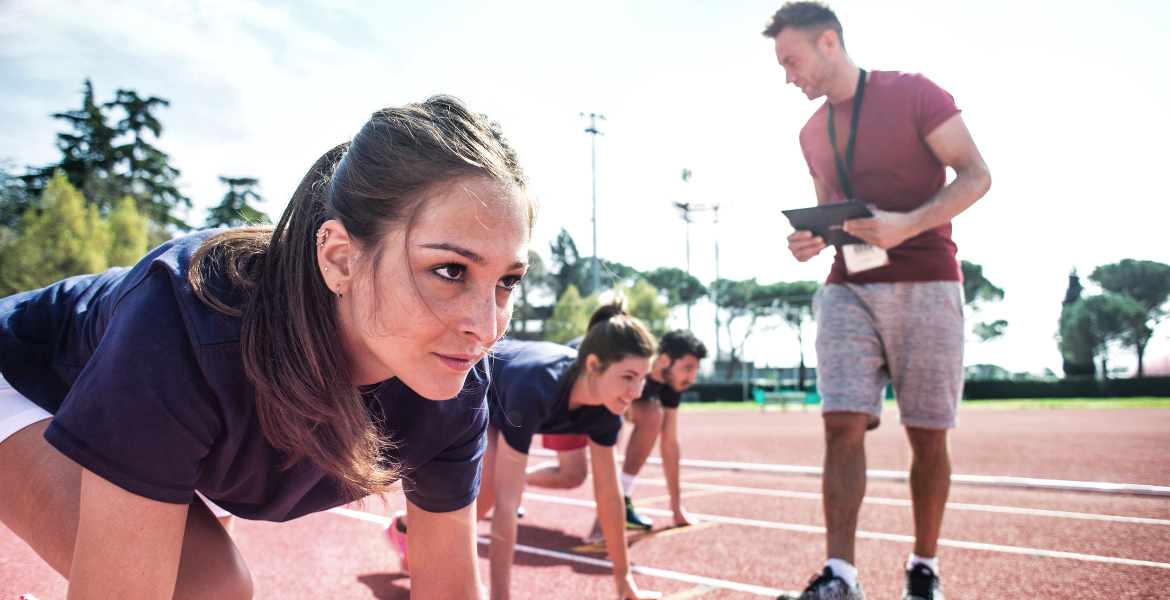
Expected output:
(450, 480)
(141, 414)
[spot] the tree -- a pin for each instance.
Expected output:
(106, 171)
(978, 291)
(1075, 348)
(738, 300)
(793, 302)
(680, 287)
(129, 240)
(1146, 282)
(643, 304)
(1102, 321)
(570, 316)
(235, 211)
(65, 238)
(568, 268)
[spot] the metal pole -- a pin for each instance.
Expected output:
(714, 300)
(592, 130)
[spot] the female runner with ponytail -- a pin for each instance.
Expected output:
(277, 371)
(540, 387)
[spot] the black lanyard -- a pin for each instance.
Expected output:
(843, 170)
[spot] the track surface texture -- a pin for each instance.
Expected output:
(763, 531)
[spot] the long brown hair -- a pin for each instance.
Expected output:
(306, 403)
(612, 336)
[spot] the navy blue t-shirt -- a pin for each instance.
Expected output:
(527, 397)
(654, 391)
(148, 390)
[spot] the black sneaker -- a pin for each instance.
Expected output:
(635, 520)
(827, 586)
(922, 584)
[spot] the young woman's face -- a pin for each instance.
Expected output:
(441, 293)
(620, 384)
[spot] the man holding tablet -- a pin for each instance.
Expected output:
(892, 308)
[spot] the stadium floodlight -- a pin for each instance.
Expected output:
(684, 210)
(593, 132)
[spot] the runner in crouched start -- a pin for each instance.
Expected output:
(540, 387)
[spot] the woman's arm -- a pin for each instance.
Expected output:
(128, 547)
(611, 513)
(509, 484)
(443, 559)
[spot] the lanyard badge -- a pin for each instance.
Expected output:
(858, 257)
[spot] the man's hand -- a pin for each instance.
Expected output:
(885, 229)
(804, 245)
(628, 590)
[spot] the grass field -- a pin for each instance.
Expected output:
(1029, 404)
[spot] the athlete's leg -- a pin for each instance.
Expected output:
(41, 505)
(843, 482)
(569, 471)
(647, 418)
(671, 455)
(930, 482)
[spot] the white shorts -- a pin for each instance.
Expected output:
(16, 411)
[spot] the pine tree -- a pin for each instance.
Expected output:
(128, 234)
(65, 238)
(235, 211)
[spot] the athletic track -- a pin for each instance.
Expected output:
(762, 532)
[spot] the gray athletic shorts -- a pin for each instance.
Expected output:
(908, 333)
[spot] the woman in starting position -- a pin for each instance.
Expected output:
(277, 371)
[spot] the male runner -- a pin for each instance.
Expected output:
(892, 310)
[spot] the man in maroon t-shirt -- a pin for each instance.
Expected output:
(892, 308)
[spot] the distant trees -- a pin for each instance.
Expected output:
(1124, 316)
(572, 312)
(108, 162)
(680, 287)
(234, 210)
(1147, 283)
(68, 237)
(977, 292)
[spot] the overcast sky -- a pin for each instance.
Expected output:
(1067, 101)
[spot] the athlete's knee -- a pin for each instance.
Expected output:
(845, 428)
(647, 414)
(574, 468)
(927, 442)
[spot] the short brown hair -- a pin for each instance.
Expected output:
(811, 16)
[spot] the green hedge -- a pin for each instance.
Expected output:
(714, 391)
(1072, 387)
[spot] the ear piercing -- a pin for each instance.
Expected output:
(322, 235)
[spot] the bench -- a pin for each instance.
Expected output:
(764, 398)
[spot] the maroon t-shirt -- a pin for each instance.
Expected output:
(893, 168)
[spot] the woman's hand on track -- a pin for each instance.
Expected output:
(683, 519)
(628, 590)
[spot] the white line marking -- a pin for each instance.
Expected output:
(901, 502)
(987, 480)
(889, 537)
(675, 575)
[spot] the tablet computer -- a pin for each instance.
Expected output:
(826, 220)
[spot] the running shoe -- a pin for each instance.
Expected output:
(922, 584)
(396, 533)
(634, 520)
(827, 586)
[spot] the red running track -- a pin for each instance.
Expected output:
(763, 529)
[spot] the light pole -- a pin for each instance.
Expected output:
(592, 130)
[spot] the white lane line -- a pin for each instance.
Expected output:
(986, 480)
(1038, 512)
(889, 537)
(675, 575)
(651, 571)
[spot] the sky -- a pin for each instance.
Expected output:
(1065, 99)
